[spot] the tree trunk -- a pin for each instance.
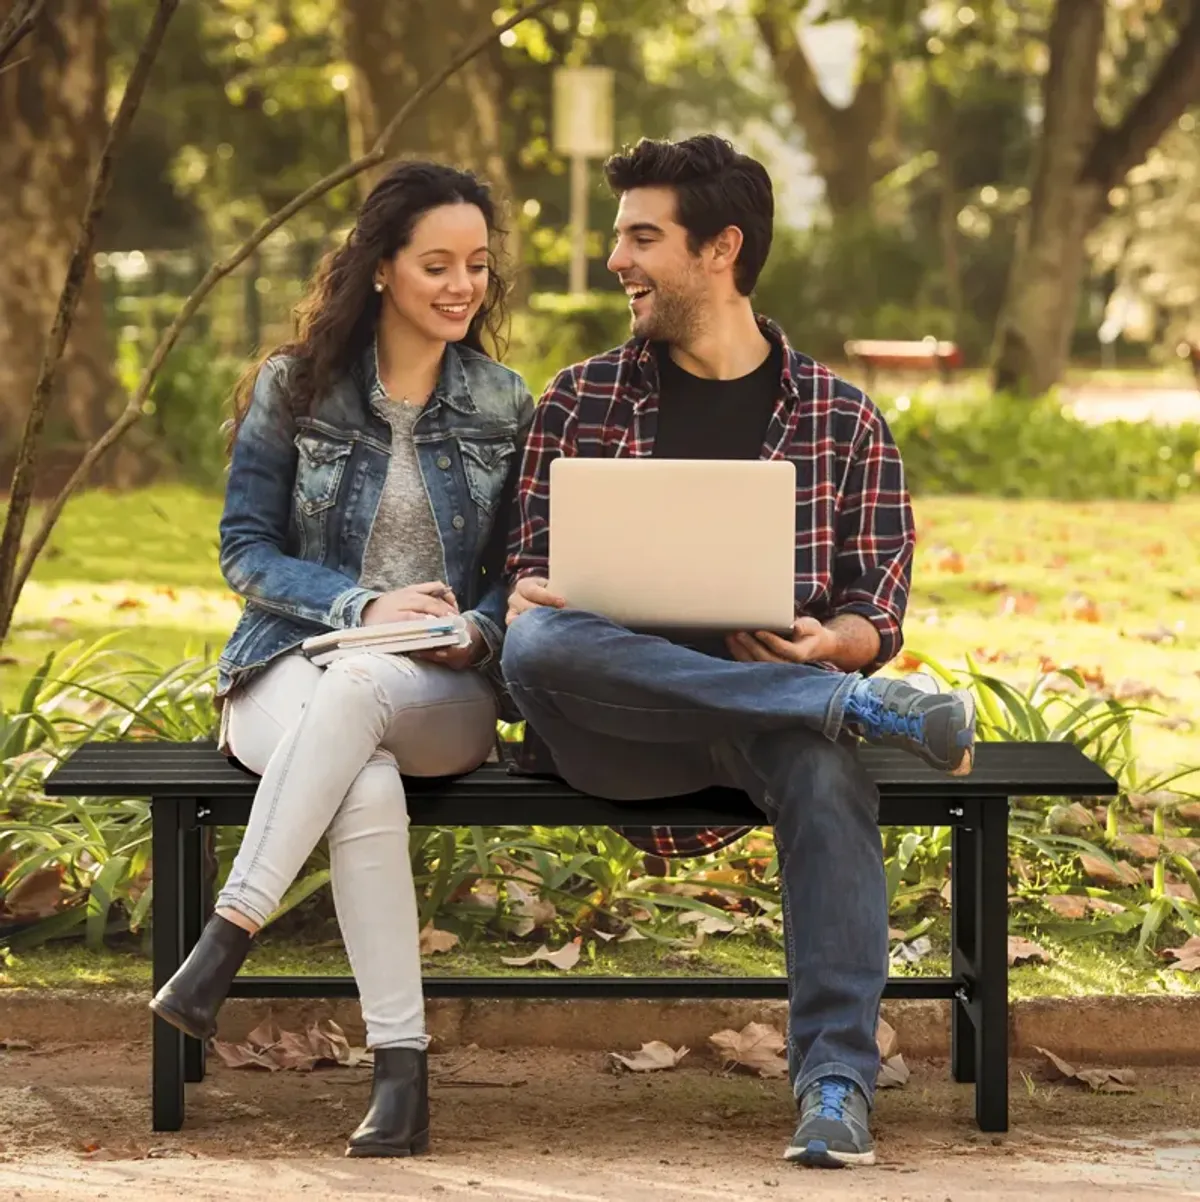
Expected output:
(851, 147)
(392, 48)
(1034, 336)
(1078, 162)
(52, 114)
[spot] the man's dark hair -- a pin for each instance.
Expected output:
(714, 187)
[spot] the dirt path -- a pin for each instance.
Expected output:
(535, 1126)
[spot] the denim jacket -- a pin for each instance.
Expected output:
(303, 491)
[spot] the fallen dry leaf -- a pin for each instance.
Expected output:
(1141, 847)
(434, 940)
(912, 953)
(1023, 951)
(1099, 1080)
(533, 910)
(1100, 872)
(266, 1047)
(1076, 905)
(1187, 957)
(36, 896)
(1129, 689)
(1160, 634)
(893, 1073)
(1018, 604)
(710, 924)
(651, 1057)
(130, 603)
(1079, 607)
(988, 587)
(239, 1055)
(755, 1047)
(946, 559)
(565, 957)
(886, 1039)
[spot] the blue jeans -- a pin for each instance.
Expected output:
(634, 717)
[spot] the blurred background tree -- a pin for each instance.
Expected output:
(987, 172)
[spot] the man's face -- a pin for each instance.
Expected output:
(666, 284)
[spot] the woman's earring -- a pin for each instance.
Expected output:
(378, 286)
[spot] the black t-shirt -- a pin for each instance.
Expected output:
(714, 419)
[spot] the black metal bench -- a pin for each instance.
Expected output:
(192, 786)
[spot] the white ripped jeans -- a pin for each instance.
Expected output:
(330, 744)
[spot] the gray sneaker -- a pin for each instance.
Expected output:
(911, 714)
(833, 1130)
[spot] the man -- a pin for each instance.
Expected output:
(628, 716)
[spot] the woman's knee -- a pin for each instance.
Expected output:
(373, 804)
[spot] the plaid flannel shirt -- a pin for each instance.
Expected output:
(854, 527)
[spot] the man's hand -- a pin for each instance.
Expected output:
(810, 642)
(531, 592)
(457, 658)
(434, 599)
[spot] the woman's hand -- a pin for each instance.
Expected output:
(457, 658)
(432, 600)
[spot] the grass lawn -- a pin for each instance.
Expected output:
(1081, 965)
(1111, 588)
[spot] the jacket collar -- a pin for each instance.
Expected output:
(451, 389)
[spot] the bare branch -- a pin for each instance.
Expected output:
(1175, 87)
(25, 471)
(18, 24)
(216, 273)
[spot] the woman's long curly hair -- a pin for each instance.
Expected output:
(335, 322)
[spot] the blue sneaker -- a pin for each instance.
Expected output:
(833, 1130)
(913, 715)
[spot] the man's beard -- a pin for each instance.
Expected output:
(674, 317)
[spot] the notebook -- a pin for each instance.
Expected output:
(388, 638)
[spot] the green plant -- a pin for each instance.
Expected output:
(85, 862)
(1103, 729)
(1013, 447)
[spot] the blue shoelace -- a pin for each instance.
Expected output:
(834, 1093)
(878, 720)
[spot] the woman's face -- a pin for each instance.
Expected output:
(437, 282)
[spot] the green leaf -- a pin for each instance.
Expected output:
(100, 899)
(1156, 914)
(300, 891)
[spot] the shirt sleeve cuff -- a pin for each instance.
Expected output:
(493, 636)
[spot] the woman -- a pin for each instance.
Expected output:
(372, 466)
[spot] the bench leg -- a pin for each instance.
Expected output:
(964, 871)
(195, 914)
(991, 951)
(167, 1079)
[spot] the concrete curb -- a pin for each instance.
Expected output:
(1114, 1030)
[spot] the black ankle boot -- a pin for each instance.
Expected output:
(397, 1122)
(191, 998)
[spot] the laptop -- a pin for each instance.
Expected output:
(676, 545)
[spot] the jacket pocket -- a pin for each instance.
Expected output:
(486, 463)
(320, 466)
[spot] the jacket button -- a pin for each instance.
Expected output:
(443, 461)
(459, 521)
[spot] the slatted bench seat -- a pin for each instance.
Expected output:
(888, 354)
(191, 786)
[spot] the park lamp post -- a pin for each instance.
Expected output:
(583, 129)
